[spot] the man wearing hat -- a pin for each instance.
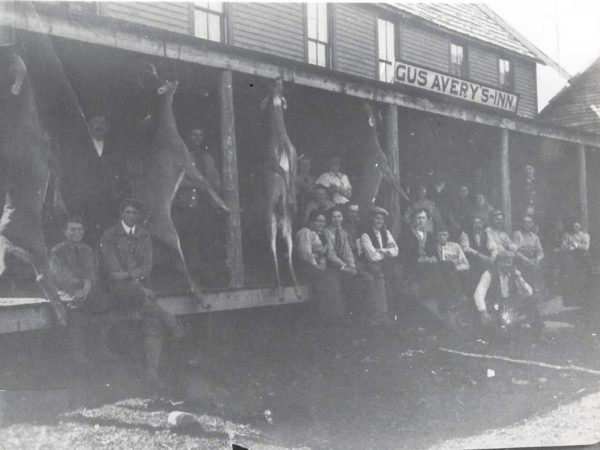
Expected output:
(379, 249)
(126, 250)
(497, 239)
(501, 290)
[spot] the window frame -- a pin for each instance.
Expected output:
(394, 42)
(327, 44)
(510, 86)
(194, 7)
(464, 66)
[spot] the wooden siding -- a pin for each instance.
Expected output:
(354, 40)
(424, 47)
(171, 16)
(525, 83)
(483, 65)
(273, 28)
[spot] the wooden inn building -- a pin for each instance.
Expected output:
(455, 85)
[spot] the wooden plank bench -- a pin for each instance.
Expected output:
(28, 314)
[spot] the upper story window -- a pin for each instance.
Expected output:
(209, 21)
(317, 22)
(458, 60)
(505, 73)
(386, 50)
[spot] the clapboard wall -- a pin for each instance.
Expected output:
(279, 29)
(273, 28)
(354, 40)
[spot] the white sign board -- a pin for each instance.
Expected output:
(430, 80)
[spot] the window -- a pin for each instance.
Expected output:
(386, 50)
(209, 21)
(505, 73)
(317, 21)
(458, 60)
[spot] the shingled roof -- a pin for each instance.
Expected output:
(578, 104)
(474, 20)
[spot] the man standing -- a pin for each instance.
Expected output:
(126, 250)
(198, 224)
(336, 182)
(379, 250)
(107, 180)
(529, 252)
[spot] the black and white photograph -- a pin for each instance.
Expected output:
(283, 225)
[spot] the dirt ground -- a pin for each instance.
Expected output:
(263, 379)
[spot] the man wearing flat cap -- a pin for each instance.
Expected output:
(379, 249)
(126, 250)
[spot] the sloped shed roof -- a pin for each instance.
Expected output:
(577, 105)
(473, 20)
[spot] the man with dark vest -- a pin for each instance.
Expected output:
(418, 253)
(379, 249)
(502, 294)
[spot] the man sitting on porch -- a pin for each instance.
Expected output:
(126, 250)
(379, 249)
(502, 295)
(73, 272)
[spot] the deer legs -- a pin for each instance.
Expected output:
(272, 229)
(286, 230)
(167, 234)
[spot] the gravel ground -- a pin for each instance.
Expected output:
(577, 423)
(265, 381)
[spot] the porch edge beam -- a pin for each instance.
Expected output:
(158, 47)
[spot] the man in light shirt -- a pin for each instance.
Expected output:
(497, 239)
(449, 271)
(379, 249)
(336, 182)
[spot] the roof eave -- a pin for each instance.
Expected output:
(392, 7)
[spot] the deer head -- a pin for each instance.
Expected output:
(147, 77)
(16, 73)
(276, 95)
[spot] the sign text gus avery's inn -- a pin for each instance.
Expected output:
(454, 87)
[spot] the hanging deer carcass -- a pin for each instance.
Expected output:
(280, 180)
(25, 156)
(374, 167)
(165, 161)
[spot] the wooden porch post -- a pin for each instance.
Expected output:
(392, 152)
(505, 176)
(233, 239)
(583, 196)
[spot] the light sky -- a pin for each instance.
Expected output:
(567, 31)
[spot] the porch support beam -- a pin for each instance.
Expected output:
(583, 195)
(233, 233)
(392, 152)
(505, 176)
(125, 36)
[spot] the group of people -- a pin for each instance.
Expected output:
(453, 252)
(113, 278)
